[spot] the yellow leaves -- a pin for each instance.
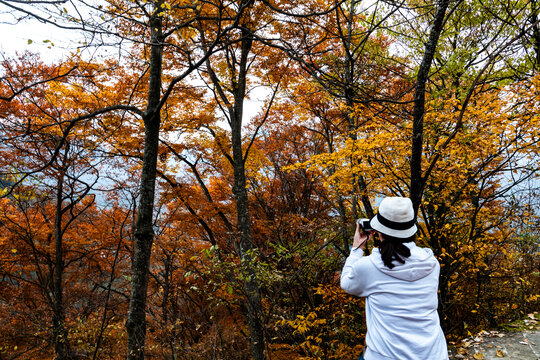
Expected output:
(322, 330)
(303, 324)
(500, 353)
(320, 290)
(479, 356)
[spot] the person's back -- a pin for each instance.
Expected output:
(401, 297)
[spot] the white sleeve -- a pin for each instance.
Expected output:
(354, 273)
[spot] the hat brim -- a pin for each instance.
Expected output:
(401, 234)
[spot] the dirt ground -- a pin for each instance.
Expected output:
(522, 344)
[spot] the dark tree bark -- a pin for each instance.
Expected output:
(144, 234)
(417, 181)
(61, 341)
(244, 243)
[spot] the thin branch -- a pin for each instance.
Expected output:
(27, 87)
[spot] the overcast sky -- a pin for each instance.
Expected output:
(51, 42)
(30, 34)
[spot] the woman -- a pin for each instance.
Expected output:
(400, 282)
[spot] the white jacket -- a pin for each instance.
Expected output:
(401, 304)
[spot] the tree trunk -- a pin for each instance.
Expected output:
(417, 181)
(61, 344)
(143, 232)
(359, 183)
(244, 243)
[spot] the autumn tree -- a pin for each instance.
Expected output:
(54, 157)
(28, 302)
(230, 91)
(64, 175)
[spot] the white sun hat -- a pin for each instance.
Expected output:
(395, 217)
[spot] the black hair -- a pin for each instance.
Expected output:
(392, 248)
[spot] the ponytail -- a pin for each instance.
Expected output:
(392, 249)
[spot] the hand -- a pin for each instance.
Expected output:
(361, 238)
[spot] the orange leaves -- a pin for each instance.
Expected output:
(88, 252)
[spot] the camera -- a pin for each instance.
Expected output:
(364, 224)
